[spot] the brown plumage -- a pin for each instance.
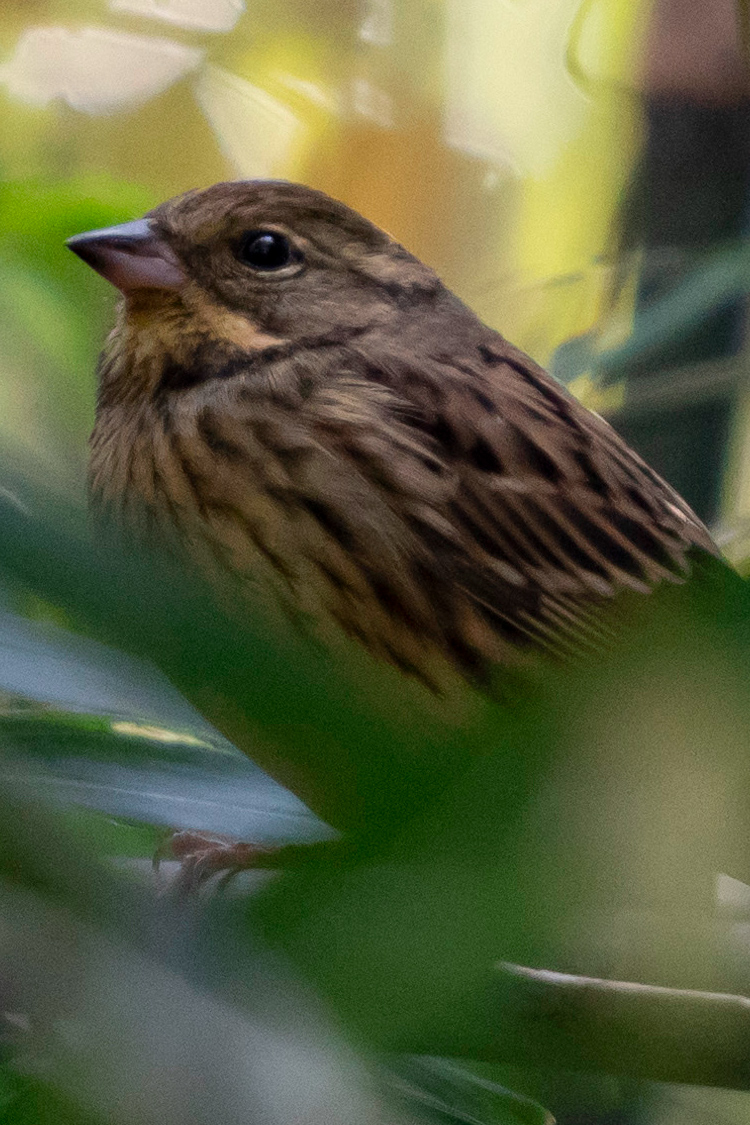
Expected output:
(317, 413)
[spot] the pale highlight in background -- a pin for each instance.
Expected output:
(95, 70)
(256, 132)
(196, 15)
(521, 105)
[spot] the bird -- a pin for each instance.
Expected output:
(309, 411)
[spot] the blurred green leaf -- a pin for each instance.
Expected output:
(36, 216)
(369, 743)
(705, 284)
(621, 784)
(53, 315)
(446, 1092)
(131, 747)
(138, 1009)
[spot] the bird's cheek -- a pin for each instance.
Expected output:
(237, 329)
(244, 333)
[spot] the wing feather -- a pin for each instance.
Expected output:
(554, 514)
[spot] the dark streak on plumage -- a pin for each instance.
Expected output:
(230, 512)
(484, 400)
(538, 460)
(489, 543)
(483, 456)
(389, 598)
(194, 477)
(634, 531)
(594, 479)
(539, 547)
(445, 436)
(568, 546)
(489, 356)
(330, 520)
(637, 497)
(553, 395)
(608, 547)
(501, 533)
(334, 578)
(209, 430)
(292, 457)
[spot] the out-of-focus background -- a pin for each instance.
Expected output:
(578, 171)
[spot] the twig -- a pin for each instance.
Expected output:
(645, 1031)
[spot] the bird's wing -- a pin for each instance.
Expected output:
(555, 514)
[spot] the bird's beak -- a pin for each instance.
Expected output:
(131, 256)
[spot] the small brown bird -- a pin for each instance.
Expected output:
(311, 408)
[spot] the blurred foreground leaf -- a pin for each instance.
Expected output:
(109, 733)
(353, 738)
(132, 1009)
(122, 1007)
(520, 832)
(636, 796)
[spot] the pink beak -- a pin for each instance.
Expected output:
(131, 256)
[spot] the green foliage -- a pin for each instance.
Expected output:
(711, 281)
(54, 315)
(583, 792)
(129, 1008)
(152, 612)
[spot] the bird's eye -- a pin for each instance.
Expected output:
(267, 250)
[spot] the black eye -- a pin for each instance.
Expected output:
(267, 250)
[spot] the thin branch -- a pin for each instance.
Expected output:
(645, 1031)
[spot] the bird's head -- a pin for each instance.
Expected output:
(254, 266)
